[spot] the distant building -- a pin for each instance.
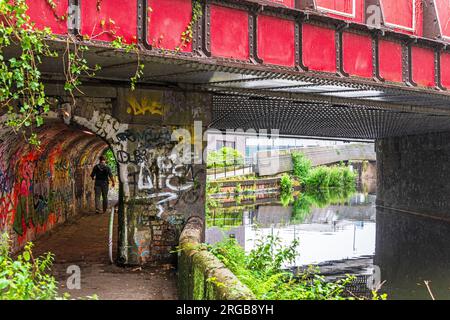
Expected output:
(248, 145)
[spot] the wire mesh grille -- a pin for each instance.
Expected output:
(320, 119)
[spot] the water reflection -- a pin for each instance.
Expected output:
(348, 234)
(330, 225)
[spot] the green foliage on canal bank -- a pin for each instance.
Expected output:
(321, 177)
(331, 177)
(224, 157)
(286, 184)
(261, 271)
(302, 165)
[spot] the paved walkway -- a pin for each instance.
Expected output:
(83, 243)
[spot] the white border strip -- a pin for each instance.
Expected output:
(393, 25)
(339, 13)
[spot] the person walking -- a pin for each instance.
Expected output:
(101, 173)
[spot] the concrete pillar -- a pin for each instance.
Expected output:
(161, 169)
(413, 214)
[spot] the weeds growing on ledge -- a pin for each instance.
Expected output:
(261, 270)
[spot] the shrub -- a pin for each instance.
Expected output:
(26, 277)
(318, 178)
(349, 178)
(336, 177)
(302, 165)
(340, 177)
(286, 184)
(224, 157)
(261, 270)
(286, 199)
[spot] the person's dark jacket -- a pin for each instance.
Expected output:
(101, 173)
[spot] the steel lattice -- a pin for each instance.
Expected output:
(319, 119)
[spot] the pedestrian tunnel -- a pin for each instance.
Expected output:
(43, 187)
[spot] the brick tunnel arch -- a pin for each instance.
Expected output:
(45, 187)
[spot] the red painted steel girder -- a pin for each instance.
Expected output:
(408, 47)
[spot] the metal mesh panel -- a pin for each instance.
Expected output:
(320, 119)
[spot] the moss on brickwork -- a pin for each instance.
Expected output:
(201, 276)
(199, 283)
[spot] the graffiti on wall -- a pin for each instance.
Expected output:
(156, 170)
(144, 106)
(151, 162)
(37, 185)
(39, 189)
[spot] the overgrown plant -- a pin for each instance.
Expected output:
(331, 177)
(286, 184)
(261, 270)
(302, 165)
(26, 277)
(188, 34)
(119, 43)
(76, 66)
(21, 88)
(22, 91)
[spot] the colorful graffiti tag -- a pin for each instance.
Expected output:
(36, 185)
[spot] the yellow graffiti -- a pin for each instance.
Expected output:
(144, 106)
(84, 159)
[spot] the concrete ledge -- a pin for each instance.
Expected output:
(201, 276)
(274, 162)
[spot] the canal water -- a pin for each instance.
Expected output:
(345, 235)
(333, 233)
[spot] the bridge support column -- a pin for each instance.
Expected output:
(158, 140)
(162, 170)
(413, 214)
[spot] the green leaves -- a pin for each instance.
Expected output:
(25, 278)
(4, 283)
(224, 157)
(286, 184)
(22, 90)
(26, 256)
(322, 177)
(302, 165)
(261, 270)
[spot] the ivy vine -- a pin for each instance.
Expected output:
(54, 6)
(76, 65)
(188, 34)
(22, 95)
(22, 90)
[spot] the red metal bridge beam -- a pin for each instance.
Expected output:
(318, 36)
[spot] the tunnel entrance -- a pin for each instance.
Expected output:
(47, 197)
(48, 188)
